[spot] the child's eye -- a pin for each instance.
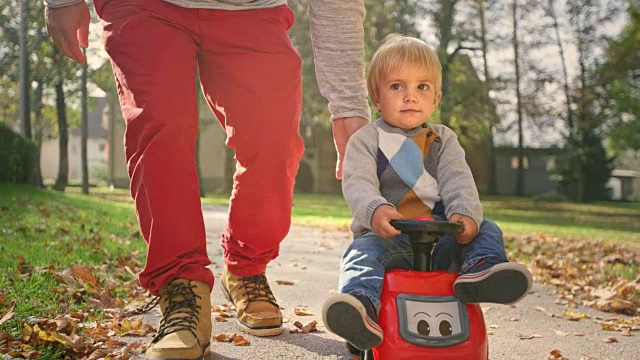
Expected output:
(423, 87)
(395, 86)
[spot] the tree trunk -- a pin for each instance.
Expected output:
(491, 186)
(520, 174)
(84, 128)
(38, 136)
(446, 16)
(63, 166)
(563, 61)
(25, 81)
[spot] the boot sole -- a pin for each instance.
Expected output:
(261, 331)
(207, 351)
(346, 317)
(504, 283)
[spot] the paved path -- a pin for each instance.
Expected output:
(310, 258)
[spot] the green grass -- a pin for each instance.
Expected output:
(609, 221)
(53, 231)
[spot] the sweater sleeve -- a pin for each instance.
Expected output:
(60, 3)
(337, 37)
(455, 181)
(360, 184)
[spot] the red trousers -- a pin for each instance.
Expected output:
(251, 77)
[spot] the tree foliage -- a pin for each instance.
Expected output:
(619, 86)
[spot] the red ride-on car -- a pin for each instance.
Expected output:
(420, 316)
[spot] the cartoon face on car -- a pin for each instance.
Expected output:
(432, 321)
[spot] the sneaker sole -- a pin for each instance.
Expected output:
(248, 329)
(346, 317)
(505, 283)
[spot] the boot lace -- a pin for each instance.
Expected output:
(181, 312)
(257, 289)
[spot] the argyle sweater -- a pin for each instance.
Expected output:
(409, 170)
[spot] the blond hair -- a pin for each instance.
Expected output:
(401, 50)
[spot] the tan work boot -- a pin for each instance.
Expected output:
(257, 311)
(185, 329)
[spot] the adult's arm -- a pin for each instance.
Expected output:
(68, 26)
(337, 36)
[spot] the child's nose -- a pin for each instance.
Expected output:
(410, 96)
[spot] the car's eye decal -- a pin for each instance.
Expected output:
(424, 328)
(445, 328)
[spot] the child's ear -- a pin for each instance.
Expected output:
(437, 99)
(376, 103)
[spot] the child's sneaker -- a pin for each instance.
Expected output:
(491, 282)
(352, 317)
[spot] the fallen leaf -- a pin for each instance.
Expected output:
(561, 333)
(310, 327)
(8, 314)
(528, 336)
(236, 339)
(574, 316)
(556, 355)
(610, 340)
(300, 311)
(284, 282)
(240, 341)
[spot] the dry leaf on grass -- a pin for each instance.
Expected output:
(583, 278)
(610, 340)
(7, 314)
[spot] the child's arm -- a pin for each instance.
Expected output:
(456, 185)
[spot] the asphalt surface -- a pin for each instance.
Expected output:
(309, 257)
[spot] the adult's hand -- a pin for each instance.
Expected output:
(343, 128)
(68, 27)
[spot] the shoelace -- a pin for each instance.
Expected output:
(258, 289)
(187, 308)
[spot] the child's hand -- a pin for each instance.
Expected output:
(470, 228)
(380, 221)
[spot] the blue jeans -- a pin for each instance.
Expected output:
(369, 256)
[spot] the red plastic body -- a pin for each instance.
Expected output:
(433, 283)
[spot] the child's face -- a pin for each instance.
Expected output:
(407, 96)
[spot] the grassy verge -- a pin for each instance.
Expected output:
(607, 221)
(46, 236)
